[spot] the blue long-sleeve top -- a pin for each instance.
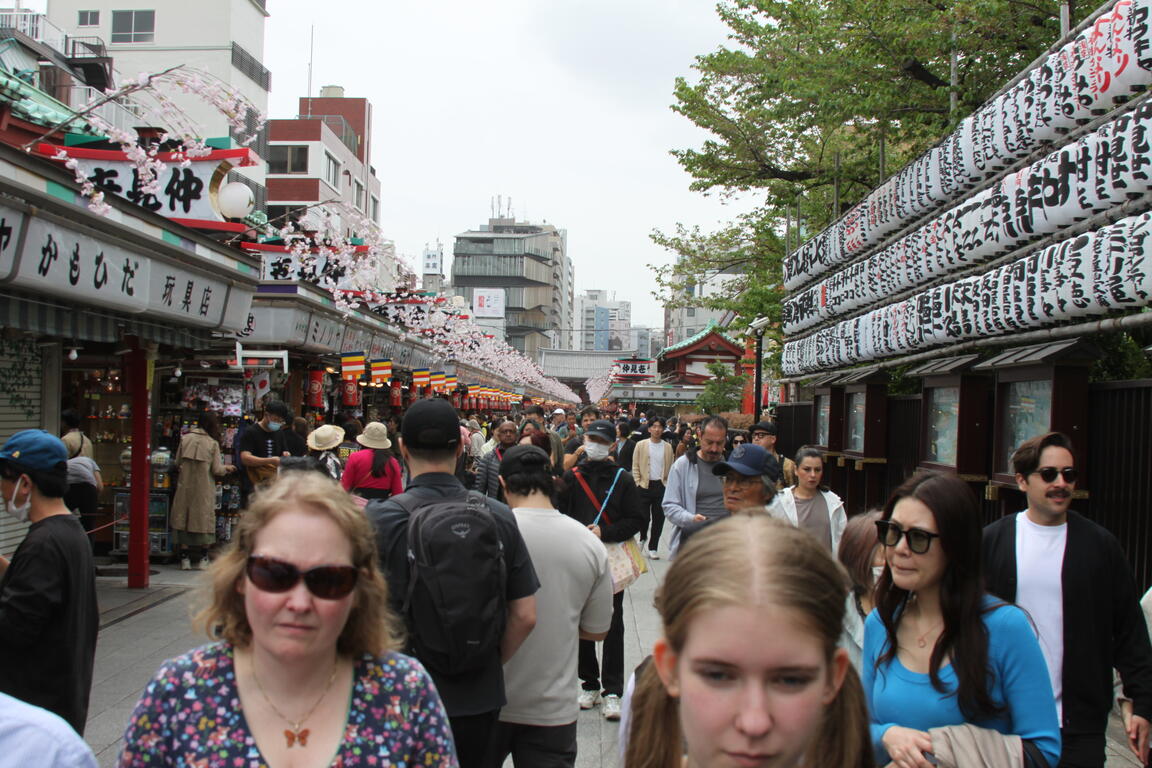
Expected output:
(1018, 675)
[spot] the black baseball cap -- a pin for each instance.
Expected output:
(430, 424)
(524, 458)
(602, 429)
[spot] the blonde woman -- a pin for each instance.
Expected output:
(303, 670)
(747, 671)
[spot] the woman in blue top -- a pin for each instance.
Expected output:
(938, 650)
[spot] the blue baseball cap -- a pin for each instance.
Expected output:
(749, 459)
(35, 450)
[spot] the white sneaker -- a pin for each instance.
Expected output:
(653, 554)
(185, 564)
(611, 708)
(588, 699)
(203, 564)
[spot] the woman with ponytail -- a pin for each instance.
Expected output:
(748, 671)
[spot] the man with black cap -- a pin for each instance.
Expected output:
(430, 444)
(48, 611)
(603, 496)
(538, 724)
(764, 435)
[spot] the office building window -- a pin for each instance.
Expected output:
(359, 199)
(375, 213)
(287, 159)
(88, 19)
(332, 170)
(133, 26)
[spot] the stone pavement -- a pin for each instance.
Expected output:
(141, 628)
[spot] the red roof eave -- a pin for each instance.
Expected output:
(242, 157)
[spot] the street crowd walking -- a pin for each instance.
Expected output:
(452, 594)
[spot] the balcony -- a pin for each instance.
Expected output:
(123, 113)
(339, 126)
(251, 67)
(34, 25)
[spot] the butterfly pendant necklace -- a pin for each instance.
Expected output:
(296, 733)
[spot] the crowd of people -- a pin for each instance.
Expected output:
(439, 601)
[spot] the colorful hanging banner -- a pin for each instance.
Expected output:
(437, 380)
(351, 366)
(421, 377)
(381, 371)
(450, 381)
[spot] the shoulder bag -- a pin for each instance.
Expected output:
(625, 560)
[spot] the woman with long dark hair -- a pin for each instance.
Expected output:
(938, 650)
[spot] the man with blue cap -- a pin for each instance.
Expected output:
(48, 611)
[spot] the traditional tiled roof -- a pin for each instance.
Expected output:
(578, 364)
(712, 327)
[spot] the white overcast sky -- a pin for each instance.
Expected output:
(562, 105)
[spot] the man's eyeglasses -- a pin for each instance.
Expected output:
(740, 481)
(1048, 474)
(328, 582)
(918, 540)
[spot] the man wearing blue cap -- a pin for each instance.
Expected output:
(48, 610)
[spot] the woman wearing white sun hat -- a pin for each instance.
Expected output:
(322, 444)
(373, 473)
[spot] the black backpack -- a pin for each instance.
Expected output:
(455, 605)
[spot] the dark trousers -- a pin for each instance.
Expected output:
(1082, 750)
(84, 500)
(652, 499)
(613, 672)
(473, 736)
(534, 746)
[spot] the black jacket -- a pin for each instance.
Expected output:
(624, 506)
(1103, 624)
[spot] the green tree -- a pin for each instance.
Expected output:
(802, 102)
(723, 391)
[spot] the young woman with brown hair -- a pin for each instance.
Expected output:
(748, 671)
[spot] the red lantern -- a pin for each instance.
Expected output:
(456, 400)
(315, 396)
(351, 391)
(397, 395)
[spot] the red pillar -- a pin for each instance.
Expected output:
(138, 543)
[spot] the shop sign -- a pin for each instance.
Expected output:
(51, 258)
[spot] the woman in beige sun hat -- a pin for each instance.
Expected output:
(373, 473)
(322, 444)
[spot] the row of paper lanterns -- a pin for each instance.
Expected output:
(1088, 176)
(1095, 273)
(1102, 66)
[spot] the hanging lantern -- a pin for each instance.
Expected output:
(315, 396)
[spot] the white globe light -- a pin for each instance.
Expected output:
(235, 200)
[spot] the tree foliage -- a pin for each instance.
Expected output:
(723, 391)
(802, 103)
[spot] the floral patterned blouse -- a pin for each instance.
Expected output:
(190, 716)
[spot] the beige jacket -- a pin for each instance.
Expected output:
(640, 462)
(194, 506)
(963, 746)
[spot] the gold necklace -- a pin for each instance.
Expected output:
(297, 734)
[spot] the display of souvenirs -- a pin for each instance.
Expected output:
(225, 399)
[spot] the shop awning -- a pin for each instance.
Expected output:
(48, 319)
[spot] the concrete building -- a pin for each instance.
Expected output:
(603, 322)
(324, 155)
(432, 269)
(530, 264)
(681, 323)
(224, 38)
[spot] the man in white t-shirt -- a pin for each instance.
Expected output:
(1072, 578)
(538, 724)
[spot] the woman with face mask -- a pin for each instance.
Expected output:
(863, 559)
(603, 496)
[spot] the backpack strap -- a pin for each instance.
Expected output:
(596, 504)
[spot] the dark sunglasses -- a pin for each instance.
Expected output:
(918, 540)
(328, 582)
(738, 441)
(1048, 474)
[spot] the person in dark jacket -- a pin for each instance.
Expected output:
(488, 470)
(1072, 578)
(609, 487)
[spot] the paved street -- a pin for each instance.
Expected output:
(139, 630)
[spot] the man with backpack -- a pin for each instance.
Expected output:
(603, 497)
(459, 574)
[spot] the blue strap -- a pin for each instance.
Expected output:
(604, 504)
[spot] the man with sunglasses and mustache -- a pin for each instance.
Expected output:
(1072, 578)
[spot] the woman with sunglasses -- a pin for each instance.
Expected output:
(304, 670)
(938, 650)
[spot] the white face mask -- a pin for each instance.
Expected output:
(19, 512)
(877, 571)
(595, 451)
